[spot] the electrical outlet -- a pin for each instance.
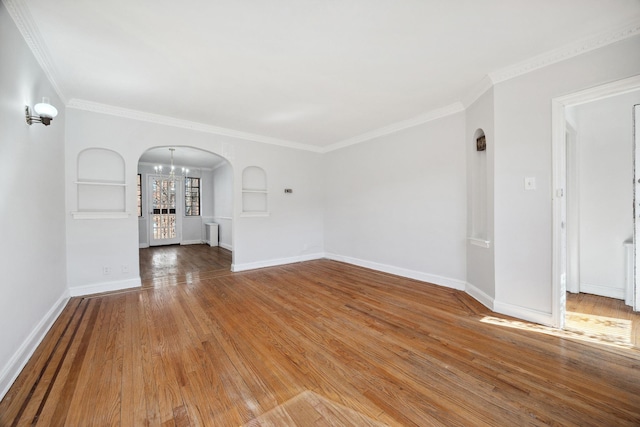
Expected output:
(106, 270)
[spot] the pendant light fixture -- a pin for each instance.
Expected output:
(172, 171)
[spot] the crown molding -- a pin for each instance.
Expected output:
(477, 91)
(96, 107)
(19, 12)
(625, 31)
(438, 113)
(21, 16)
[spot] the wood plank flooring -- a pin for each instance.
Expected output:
(592, 315)
(264, 347)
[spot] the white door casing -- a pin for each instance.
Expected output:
(636, 205)
(559, 171)
(165, 211)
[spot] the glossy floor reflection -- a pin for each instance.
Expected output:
(174, 264)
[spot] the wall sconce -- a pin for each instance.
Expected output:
(45, 113)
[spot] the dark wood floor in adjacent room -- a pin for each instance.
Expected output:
(315, 343)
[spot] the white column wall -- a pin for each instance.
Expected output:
(223, 204)
(33, 286)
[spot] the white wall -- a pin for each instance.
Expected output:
(33, 285)
(223, 204)
(292, 232)
(523, 219)
(480, 260)
(398, 203)
(605, 139)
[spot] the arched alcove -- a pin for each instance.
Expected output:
(478, 221)
(254, 191)
(100, 182)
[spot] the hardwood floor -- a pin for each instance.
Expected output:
(170, 265)
(606, 319)
(314, 343)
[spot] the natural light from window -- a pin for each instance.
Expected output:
(579, 326)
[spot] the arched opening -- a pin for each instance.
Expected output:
(185, 213)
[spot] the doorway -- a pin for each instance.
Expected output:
(165, 217)
(566, 206)
(175, 208)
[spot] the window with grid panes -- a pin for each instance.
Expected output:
(192, 196)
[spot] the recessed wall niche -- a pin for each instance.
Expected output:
(479, 188)
(101, 184)
(254, 191)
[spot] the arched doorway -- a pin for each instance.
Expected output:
(182, 192)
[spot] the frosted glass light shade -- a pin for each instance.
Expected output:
(44, 109)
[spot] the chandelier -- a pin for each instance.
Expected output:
(171, 176)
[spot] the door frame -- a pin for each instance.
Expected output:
(559, 180)
(179, 210)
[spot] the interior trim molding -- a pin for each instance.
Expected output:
(97, 288)
(96, 107)
(403, 272)
(603, 290)
(477, 91)
(20, 358)
(274, 262)
(438, 113)
(523, 313)
(479, 242)
(100, 215)
(479, 295)
(602, 39)
(192, 242)
(558, 172)
(24, 21)
(20, 14)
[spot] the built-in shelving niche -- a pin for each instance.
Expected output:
(254, 192)
(101, 185)
(478, 225)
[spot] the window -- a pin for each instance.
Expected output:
(192, 196)
(139, 195)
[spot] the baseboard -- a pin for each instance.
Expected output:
(603, 291)
(403, 272)
(226, 246)
(98, 288)
(143, 245)
(523, 313)
(275, 262)
(192, 242)
(480, 296)
(25, 351)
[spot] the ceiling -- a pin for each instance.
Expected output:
(315, 72)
